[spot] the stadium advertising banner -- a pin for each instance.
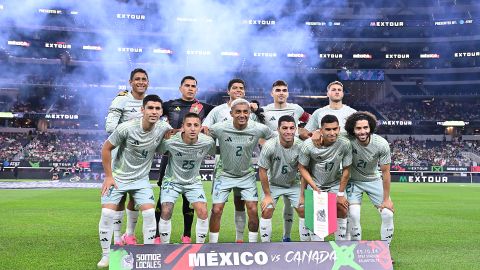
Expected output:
(430, 178)
(426, 168)
(300, 255)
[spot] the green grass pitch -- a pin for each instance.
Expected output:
(436, 227)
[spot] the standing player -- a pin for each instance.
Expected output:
(126, 106)
(136, 140)
(175, 110)
(272, 113)
(236, 90)
(186, 152)
(369, 150)
(325, 167)
(278, 171)
(335, 107)
(237, 139)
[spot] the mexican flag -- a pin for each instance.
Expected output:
(320, 212)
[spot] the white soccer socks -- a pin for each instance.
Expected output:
(341, 232)
(213, 237)
(149, 226)
(387, 228)
(117, 226)
(165, 230)
(240, 221)
(252, 237)
(354, 222)
(303, 231)
(265, 230)
(105, 230)
(201, 229)
(132, 218)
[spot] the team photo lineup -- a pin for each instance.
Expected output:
(336, 151)
(226, 134)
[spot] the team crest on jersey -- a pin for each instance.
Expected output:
(251, 138)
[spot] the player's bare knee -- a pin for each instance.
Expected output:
(300, 212)
(217, 209)
(252, 208)
(341, 211)
(201, 210)
(267, 213)
(167, 210)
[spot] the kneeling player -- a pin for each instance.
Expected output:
(137, 141)
(186, 151)
(325, 168)
(369, 151)
(278, 171)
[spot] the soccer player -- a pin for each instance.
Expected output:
(278, 172)
(325, 168)
(369, 151)
(272, 113)
(126, 106)
(236, 90)
(335, 107)
(175, 110)
(136, 140)
(186, 152)
(237, 139)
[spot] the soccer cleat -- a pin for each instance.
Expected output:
(393, 262)
(186, 240)
(239, 241)
(286, 239)
(157, 241)
(129, 239)
(103, 263)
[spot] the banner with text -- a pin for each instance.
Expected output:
(279, 255)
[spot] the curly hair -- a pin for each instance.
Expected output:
(357, 116)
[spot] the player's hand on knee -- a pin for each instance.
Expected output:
(301, 201)
(387, 204)
(107, 183)
(266, 202)
(342, 201)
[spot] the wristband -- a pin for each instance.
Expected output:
(340, 194)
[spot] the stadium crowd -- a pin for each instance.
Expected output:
(73, 147)
(411, 152)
